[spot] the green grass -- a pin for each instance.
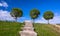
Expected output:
(13, 28)
(10, 28)
(45, 30)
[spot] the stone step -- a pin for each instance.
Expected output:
(28, 28)
(28, 33)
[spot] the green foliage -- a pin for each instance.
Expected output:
(34, 13)
(16, 12)
(48, 15)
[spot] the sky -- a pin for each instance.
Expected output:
(27, 5)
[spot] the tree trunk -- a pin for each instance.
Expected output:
(48, 21)
(16, 19)
(33, 22)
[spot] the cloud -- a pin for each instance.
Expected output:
(5, 15)
(4, 4)
(42, 20)
(55, 20)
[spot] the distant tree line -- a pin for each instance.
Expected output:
(34, 13)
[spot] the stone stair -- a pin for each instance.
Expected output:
(28, 29)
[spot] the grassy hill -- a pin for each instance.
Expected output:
(13, 28)
(10, 28)
(46, 30)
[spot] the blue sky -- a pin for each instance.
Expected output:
(27, 5)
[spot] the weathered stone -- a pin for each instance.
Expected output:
(28, 33)
(28, 29)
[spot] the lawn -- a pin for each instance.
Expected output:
(13, 28)
(10, 28)
(46, 30)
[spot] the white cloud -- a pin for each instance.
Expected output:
(5, 15)
(4, 4)
(55, 20)
(42, 20)
(0, 4)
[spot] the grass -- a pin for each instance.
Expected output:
(10, 28)
(45, 30)
(13, 28)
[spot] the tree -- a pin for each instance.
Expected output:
(16, 12)
(34, 13)
(48, 15)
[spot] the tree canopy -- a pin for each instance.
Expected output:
(16, 12)
(34, 13)
(48, 15)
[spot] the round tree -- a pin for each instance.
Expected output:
(34, 13)
(16, 12)
(48, 15)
